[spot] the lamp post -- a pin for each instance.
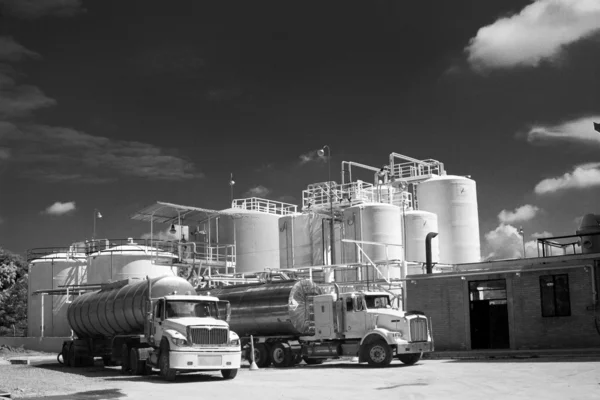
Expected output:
(321, 153)
(96, 215)
(231, 183)
(523, 238)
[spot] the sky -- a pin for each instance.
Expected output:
(112, 105)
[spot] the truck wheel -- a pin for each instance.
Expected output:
(313, 361)
(166, 371)
(379, 354)
(409, 359)
(125, 359)
(138, 367)
(261, 356)
(229, 373)
(281, 356)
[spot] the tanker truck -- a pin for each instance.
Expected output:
(153, 323)
(297, 320)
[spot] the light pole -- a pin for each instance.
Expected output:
(321, 153)
(96, 215)
(523, 238)
(231, 183)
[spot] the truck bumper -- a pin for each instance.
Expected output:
(418, 347)
(205, 360)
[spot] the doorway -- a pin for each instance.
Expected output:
(489, 314)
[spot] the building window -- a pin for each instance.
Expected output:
(554, 290)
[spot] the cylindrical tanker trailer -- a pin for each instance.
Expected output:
(154, 323)
(298, 319)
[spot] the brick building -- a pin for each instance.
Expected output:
(535, 303)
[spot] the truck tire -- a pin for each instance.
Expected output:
(168, 373)
(409, 359)
(281, 355)
(138, 367)
(378, 353)
(125, 358)
(313, 361)
(261, 355)
(229, 373)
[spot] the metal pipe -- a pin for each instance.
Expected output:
(42, 324)
(428, 261)
(352, 163)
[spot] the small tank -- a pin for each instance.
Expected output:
(301, 240)
(589, 230)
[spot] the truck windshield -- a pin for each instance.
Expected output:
(378, 301)
(183, 309)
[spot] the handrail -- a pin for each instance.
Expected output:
(265, 205)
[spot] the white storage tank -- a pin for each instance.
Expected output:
(301, 240)
(589, 229)
(454, 200)
(255, 234)
(129, 260)
(418, 224)
(53, 271)
(372, 222)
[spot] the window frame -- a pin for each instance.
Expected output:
(556, 310)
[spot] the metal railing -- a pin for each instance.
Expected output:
(265, 205)
(414, 170)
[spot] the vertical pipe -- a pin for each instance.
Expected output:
(42, 325)
(428, 257)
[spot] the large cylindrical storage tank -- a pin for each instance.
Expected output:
(129, 261)
(454, 200)
(279, 308)
(589, 229)
(417, 224)
(256, 238)
(301, 240)
(53, 271)
(118, 308)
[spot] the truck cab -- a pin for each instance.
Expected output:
(370, 327)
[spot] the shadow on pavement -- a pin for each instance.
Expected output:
(525, 359)
(105, 394)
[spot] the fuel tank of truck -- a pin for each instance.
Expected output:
(120, 307)
(268, 309)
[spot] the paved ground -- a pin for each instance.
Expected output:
(527, 378)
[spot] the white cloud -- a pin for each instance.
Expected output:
(312, 156)
(257, 191)
(543, 234)
(505, 242)
(583, 176)
(13, 51)
(59, 208)
(167, 235)
(62, 154)
(523, 213)
(539, 32)
(32, 9)
(577, 130)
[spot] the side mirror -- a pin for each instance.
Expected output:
(224, 310)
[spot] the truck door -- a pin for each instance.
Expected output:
(159, 316)
(356, 317)
(323, 318)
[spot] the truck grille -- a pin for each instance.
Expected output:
(418, 330)
(209, 336)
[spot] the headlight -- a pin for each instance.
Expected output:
(234, 342)
(179, 342)
(398, 335)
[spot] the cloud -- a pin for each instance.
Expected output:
(505, 242)
(257, 191)
(167, 235)
(523, 213)
(579, 130)
(63, 154)
(59, 208)
(4, 153)
(311, 156)
(539, 32)
(13, 51)
(583, 176)
(543, 234)
(32, 9)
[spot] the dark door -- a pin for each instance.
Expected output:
(489, 314)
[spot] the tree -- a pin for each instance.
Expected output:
(13, 294)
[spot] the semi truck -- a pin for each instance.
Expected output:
(152, 323)
(294, 320)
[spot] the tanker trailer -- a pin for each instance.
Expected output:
(297, 319)
(153, 323)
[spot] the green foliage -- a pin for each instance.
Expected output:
(13, 294)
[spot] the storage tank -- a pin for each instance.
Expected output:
(130, 260)
(120, 308)
(589, 229)
(418, 224)
(373, 223)
(279, 308)
(255, 234)
(53, 271)
(301, 240)
(454, 200)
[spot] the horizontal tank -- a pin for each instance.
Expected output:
(301, 240)
(120, 308)
(589, 230)
(53, 271)
(417, 225)
(454, 200)
(130, 260)
(279, 308)
(255, 235)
